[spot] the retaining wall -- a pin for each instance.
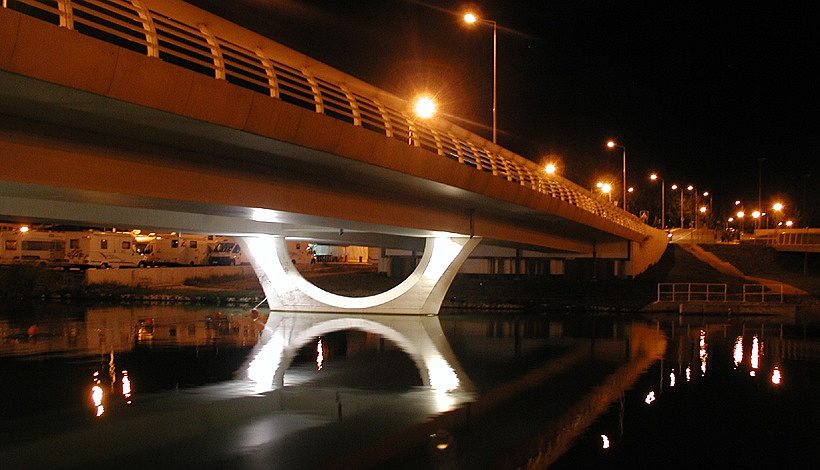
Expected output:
(161, 277)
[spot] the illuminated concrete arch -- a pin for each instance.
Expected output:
(420, 294)
(420, 337)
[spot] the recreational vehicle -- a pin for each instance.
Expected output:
(227, 252)
(45, 249)
(102, 250)
(178, 250)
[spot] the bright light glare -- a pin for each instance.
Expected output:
(550, 168)
(755, 359)
(605, 443)
(789, 223)
(630, 190)
(24, 229)
(730, 219)
(690, 187)
(777, 206)
(776, 376)
(740, 214)
(606, 188)
(320, 355)
(470, 18)
(672, 378)
(737, 354)
(703, 209)
(425, 107)
(650, 397)
(756, 214)
(737, 203)
(653, 176)
(610, 144)
(674, 187)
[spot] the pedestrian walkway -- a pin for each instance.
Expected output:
(728, 269)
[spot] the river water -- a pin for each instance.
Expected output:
(195, 387)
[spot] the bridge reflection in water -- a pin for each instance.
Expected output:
(279, 409)
(420, 337)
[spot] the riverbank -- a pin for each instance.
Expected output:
(468, 292)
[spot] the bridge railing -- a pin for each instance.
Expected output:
(134, 25)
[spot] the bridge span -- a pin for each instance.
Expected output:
(158, 114)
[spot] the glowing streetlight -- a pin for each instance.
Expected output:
(471, 18)
(655, 177)
(24, 229)
(756, 214)
(674, 188)
(789, 223)
(740, 214)
(605, 188)
(703, 209)
(612, 144)
(550, 168)
(425, 107)
(777, 206)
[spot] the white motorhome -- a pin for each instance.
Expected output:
(178, 250)
(227, 252)
(300, 252)
(32, 247)
(94, 249)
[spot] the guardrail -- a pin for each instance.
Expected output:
(131, 24)
(689, 291)
(760, 293)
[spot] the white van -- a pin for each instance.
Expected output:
(178, 250)
(45, 249)
(102, 250)
(227, 252)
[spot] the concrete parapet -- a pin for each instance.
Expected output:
(723, 308)
(161, 277)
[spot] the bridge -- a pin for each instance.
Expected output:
(154, 113)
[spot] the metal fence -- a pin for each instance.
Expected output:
(131, 24)
(761, 293)
(689, 291)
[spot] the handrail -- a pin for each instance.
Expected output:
(133, 25)
(760, 292)
(689, 291)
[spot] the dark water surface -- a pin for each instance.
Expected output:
(184, 387)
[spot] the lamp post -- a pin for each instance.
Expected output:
(695, 205)
(611, 144)
(605, 188)
(675, 187)
(654, 177)
(472, 18)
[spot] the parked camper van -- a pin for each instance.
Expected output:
(178, 250)
(102, 250)
(227, 252)
(32, 247)
(300, 252)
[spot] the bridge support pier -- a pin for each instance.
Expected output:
(420, 294)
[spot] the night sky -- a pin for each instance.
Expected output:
(698, 91)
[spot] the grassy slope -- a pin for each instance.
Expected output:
(765, 262)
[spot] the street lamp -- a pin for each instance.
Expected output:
(605, 188)
(472, 18)
(654, 177)
(611, 144)
(550, 168)
(674, 188)
(425, 107)
(695, 205)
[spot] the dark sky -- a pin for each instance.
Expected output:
(697, 90)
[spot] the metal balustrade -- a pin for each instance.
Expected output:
(132, 25)
(691, 291)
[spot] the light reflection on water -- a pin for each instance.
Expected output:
(273, 377)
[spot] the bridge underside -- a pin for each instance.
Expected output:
(93, 133)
